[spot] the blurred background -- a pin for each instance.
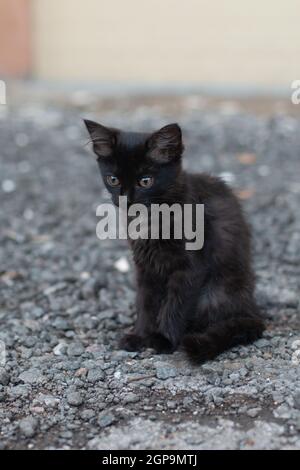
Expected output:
(208, 42)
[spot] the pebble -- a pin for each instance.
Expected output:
(87, 414)
(28, 426)
(60, 349)
(8, 186)
(4, 377)
(130, 398)
(235, 377)
(296, 398)
(95, 375)
(227, 177)
(61, 324)
(171, 404)
(53, 289)
(31, 376)
(75, 349)
(262, 343)
(74, 398)
(282, 412)
(165, 372)
(253, 412)
(122, 265)
(89, 289)
(106, 419)
(49, 400)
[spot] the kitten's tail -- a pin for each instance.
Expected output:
(217, 338)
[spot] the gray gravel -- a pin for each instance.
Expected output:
(64, 304)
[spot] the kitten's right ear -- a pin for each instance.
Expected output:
(103, 138)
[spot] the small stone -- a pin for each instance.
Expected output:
(60, 349)
(117, 374)
(4, 377)
(122, 265)
(61, 324)
(235, 377)
(124, 319)
(227, 176)
(282, 412)
(253, 412)
(75, 349)
(89, 289)
(28, 426)
(31, 376)
(165, 372)
(262, 343)
(296, 398)
(74, 398)
(106, 419)
(170, 404)
(289, 298)
(81, 372)
(85, 275)
(295, 344)
(148, 408)
(37, 409)
(8, 186)
(37, 312)
(87, 414)
(53, 289)
(51, 401)
(66, 434)
(187, 401)
(131, 398)
(95, 375)
(19, 391)
(29, 341)
(243, 372)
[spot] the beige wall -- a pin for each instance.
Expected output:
(215, 41)
(15, 47)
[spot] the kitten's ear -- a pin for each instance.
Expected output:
(166, 144)
(102, 137)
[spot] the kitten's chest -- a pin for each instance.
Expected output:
(156, 256)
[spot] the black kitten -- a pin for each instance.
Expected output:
(202, 300)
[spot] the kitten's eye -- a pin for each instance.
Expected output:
(146, 181)
(112, 181)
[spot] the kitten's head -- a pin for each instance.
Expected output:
(143, 167)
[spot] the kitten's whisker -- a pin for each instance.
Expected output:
(93, 141)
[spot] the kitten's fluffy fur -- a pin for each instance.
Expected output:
(201, 300)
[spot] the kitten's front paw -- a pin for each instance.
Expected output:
(131, 342)
(161, 344)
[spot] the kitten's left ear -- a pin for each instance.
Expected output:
(166, 144)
